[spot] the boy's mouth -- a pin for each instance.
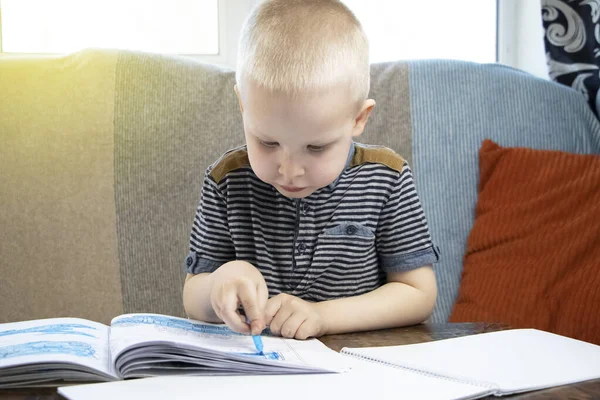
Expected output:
(292, 189)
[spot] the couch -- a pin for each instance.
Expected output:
(102, 154)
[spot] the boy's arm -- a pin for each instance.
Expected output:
(409, 295)
(211, 246)
(407, 299)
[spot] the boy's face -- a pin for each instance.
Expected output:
(299, 145)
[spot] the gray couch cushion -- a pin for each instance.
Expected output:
(173, 117)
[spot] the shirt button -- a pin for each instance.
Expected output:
(305, 208)
(189, 260)
(351, 230)
(301, 248)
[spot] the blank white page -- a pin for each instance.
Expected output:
(513, 360)
(366, 380)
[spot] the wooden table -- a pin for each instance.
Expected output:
(389, 337)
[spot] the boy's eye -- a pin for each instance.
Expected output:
(316, 149)
(269, 144)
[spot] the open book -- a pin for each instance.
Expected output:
(500, 363)
(49, 352)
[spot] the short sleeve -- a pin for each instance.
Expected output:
(402, 238)
(211, 244)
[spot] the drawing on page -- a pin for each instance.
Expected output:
(272, 355)
(79, 349)
(159, 321)
(53, 329)
(181, 327)
(170, 323)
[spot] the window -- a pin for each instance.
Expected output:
(209, 29)
(403, 29)
(64, 26)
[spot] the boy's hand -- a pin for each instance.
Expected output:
(292, 317)
(239, 283)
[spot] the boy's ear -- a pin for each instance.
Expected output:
(362, 117)
(237, 93)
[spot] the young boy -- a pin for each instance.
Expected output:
(308, 232)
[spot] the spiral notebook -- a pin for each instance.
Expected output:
(502, 363)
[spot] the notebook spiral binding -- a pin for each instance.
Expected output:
(420, 371)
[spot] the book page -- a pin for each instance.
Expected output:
(55, 340)
(513, 360)
(218, 342)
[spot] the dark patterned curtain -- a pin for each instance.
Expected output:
(572, 43)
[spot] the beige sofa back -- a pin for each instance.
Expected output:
(101, 171)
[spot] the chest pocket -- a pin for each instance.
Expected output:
(344, 262)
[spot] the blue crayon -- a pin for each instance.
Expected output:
(257, 341)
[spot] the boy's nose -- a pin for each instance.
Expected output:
(290, 168)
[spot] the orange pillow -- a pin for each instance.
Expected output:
(533, 254)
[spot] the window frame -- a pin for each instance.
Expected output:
(506, 17)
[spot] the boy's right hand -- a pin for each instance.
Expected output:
(240, 283)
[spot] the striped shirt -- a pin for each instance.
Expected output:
(337, 242)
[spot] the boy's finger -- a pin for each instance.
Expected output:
(235, 321)
(282, 315)
(273, 305)
(291, 325)
(248, 296)
(262, 296)
(256, 327)
(229, 313)
(305, 330)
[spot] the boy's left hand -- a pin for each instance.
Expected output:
(292, 317)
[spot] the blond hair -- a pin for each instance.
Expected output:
(300, 46)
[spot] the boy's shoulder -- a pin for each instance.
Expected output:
(373, 154)
(230, 161)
